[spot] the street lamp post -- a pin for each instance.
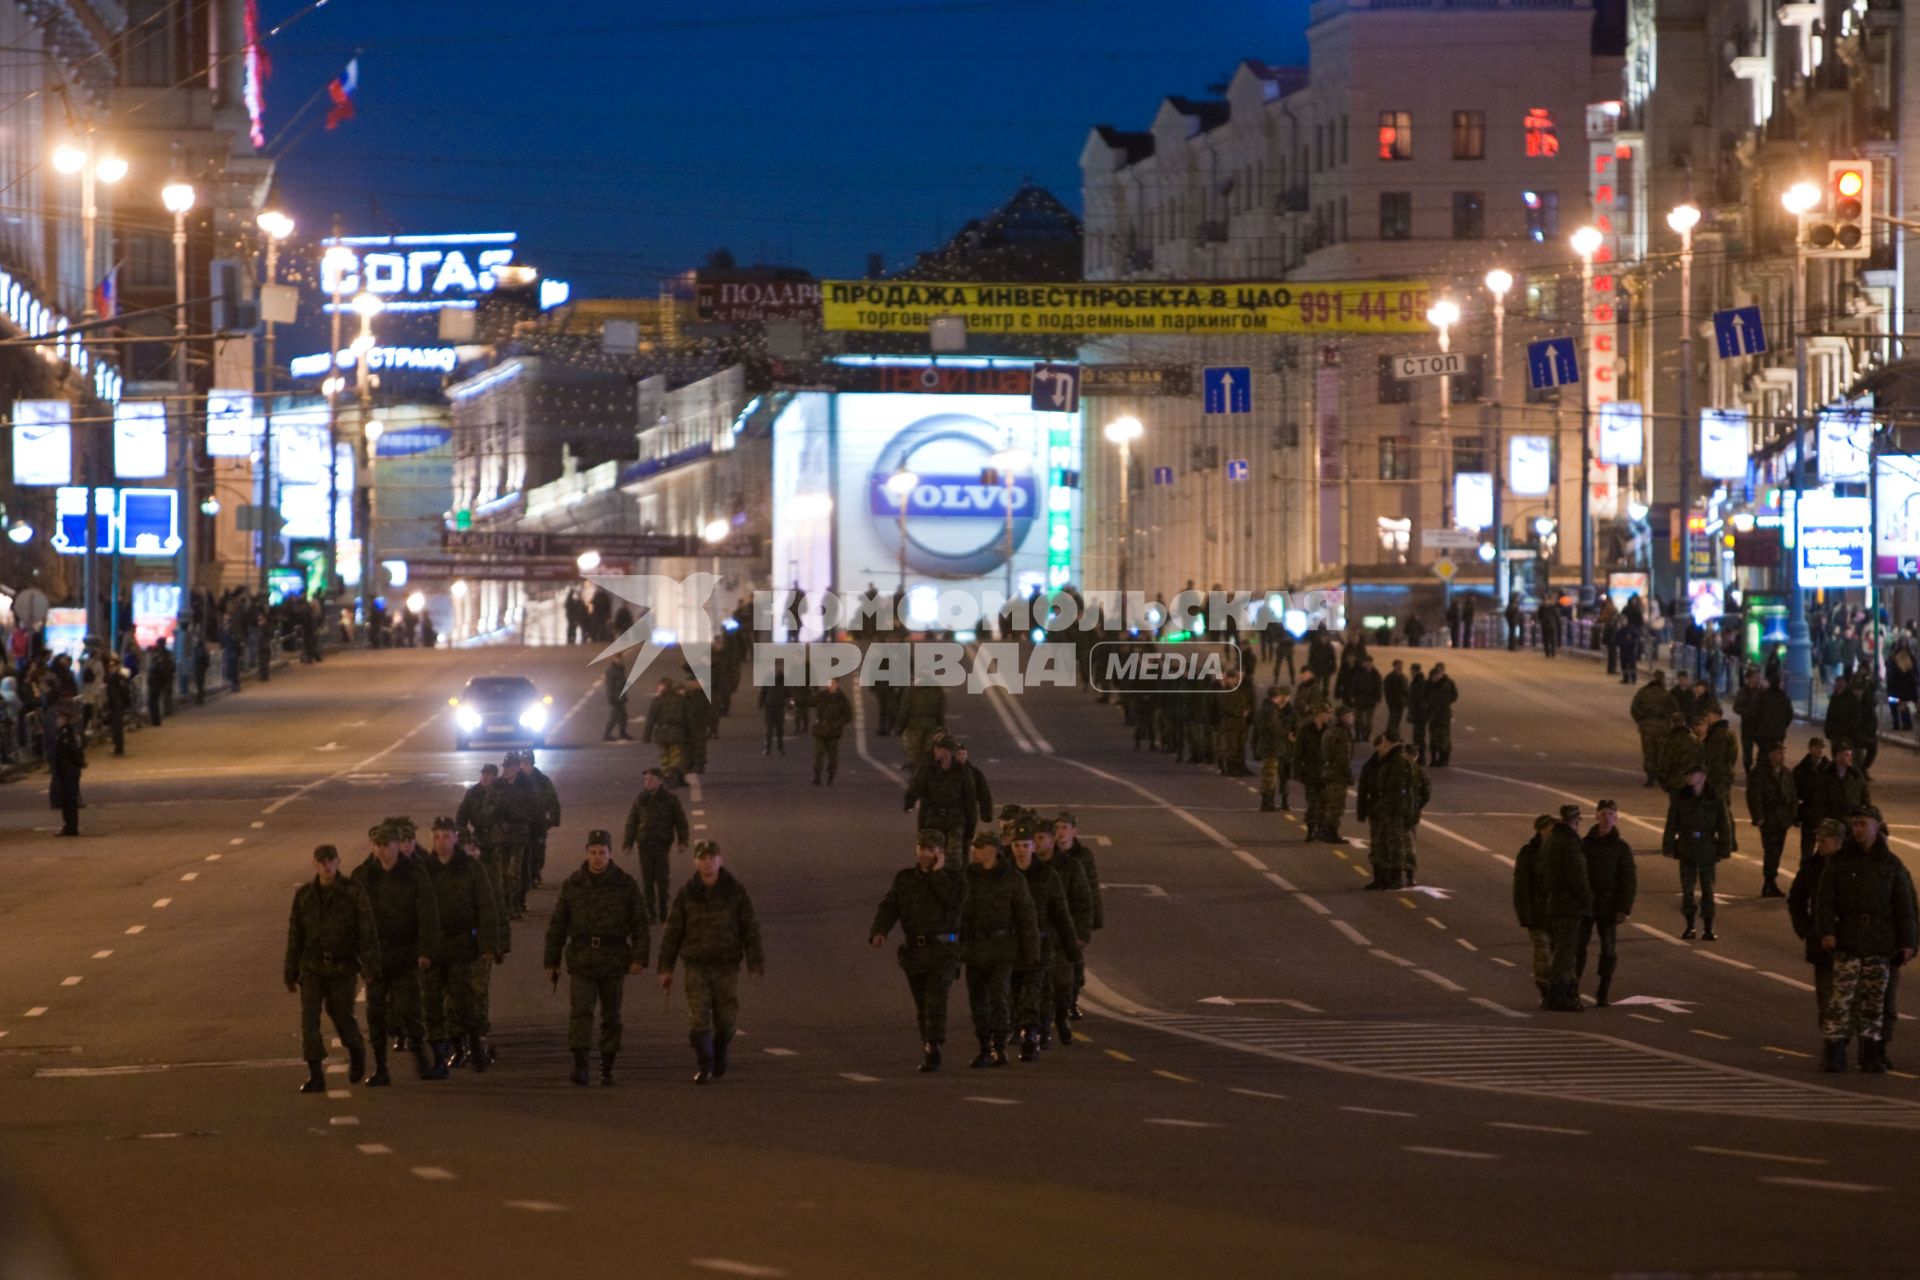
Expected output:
(1123, 432)
(1800, 199)
(366, 306)
(1586, 242)
(1683, 219)
(1443, 315)
(1009, 462)
(1498, 282)
(277, 226)
(900, 486)
(178, 198)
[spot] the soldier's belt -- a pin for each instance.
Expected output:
(990, 933)
(594, 941)
(931, 939)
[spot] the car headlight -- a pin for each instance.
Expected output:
(467, 718)
(534, 718)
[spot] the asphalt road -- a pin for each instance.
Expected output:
(1380, 1098)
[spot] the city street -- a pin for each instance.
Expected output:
(1278, 1075)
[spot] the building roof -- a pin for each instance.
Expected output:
(1137, 146)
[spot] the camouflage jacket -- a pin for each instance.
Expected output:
(600, 921)
(469, 913)
(405, 913)
(331, 931)
(712, 926)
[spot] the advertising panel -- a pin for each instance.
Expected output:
(1896, 531)
(1622, 587)
(156, 610)
(1723, 444)
(140, 439)
(1472, 500)
(1621, 433)
(42, 442)
(232, 429)
(1530, 465)
(1833, 540)
(1846, 444)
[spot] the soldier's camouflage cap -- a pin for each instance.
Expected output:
(982, 838)
(1831, 827)
(704, 847)
(1542, 822)
(445, 824)
(1024, 829)
(1569, 813)
(380, 831)
(324, 851)
(599, 835)
(1010, 812)
(403, 827)
(1604, 805)
(1066, 816)
(1866, 811)
(957, 744)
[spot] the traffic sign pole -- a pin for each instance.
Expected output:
(1687, 431)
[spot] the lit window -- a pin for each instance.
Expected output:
(1542, 141)
(1469, 135)
(1543, 214)
(1396, 135)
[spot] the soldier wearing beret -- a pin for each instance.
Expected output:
(601, 924)
(925, 900)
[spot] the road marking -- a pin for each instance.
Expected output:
(1720, 959)
(1377, 1111)
(1118, 1056)
(1791, 1053)
(339, 1093)
(729, 1266)
(857, 1078)
(1497, 960)
(213, 857)
(1249, 859)
(1408, 903)
(432, 1173)
(159, 903)
(1739, 1154)
(1474, 845)
(1468, 945)
(336, 1068)
(1389, 956)
(1820, 1184)
(781, 1053)
(699, 826)
(375, 1149)
(1711, 1035)
(1661, 934)
(341, 1121)
(70, 982)
(1174, 1075)
(237, 840)
(1497, 1007)
(1281, 882)
(1644, 1018)
(101, 955)
(1314, 903)
(1539, 1128)
(1436, 922)
(257, 824)
(1452, 1153)
(1184, 1124)
(1352, 934)
(1783, 978)
(135, 928)
(991, 1102)
(535, 1206)
(305, 788)
(190, 877)
(1259, 1093)
(1105, 842)
(1445, 984)
(35, 1012)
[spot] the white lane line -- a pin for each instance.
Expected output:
(1711, 1035)
(1498, 960)
(1821, 1184)
(1715, 956)
(992, 1102)
(160, 903)
(732, 1267)
(1184, 1124)
(699, 813)
(1389, 956)
(375, 1149)
(101, 955)
(70, 982)
(432, 1173)
(780, 1053)
(1378, 1111)
(190, 877)
(342, 1121)
(237, 840)
(257, 824)
(1301, 1005)
(1249, 859)
(997, 699)
(1105, 842)
(1538, 1128)
(1739, 1154)
(1259, 1093)
(1468, 945)
(699, 826)
(1644, 1018)
(1445, 984)
(1661, 934)
(35, 1012)
(1452, 1153)
(1281, 882)
(342, 772)
(1791, 1053)
(1783, 978)
(1351, 934)
(1436, 922)
(857, 1078)
(1314, 903)
(1496, 1007)
(1474, 845)
(136, 928)
(339, 1093)
(213, 857)
(535, 1206)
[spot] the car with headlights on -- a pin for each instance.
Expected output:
(500, 709)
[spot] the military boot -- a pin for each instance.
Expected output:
(1382, 879)
(439, 1070)
(1545, 989)
(316, 1078)
(930, 1056)
(1266, 802)
(459, 1057)
(1029, 1044)
(479, 1057)
(1046, 1034)
(1707, 934)
(985, 1057)
(999, 1048)
(702, 1042)
(1834, 1057)
(579, 1073)
(720, 1043)
(379, 1078)
(1564, 997)
(1687, 933)
(1061, 1026)
(606, 1068)
(357, 1064)
(1873, 1056)
(1606, 983)
(420, 1061)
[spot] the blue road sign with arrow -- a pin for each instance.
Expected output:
(1229, 389)
(1163, 475)
(1552, 362)
(1739, 331)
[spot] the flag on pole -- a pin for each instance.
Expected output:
(106, 295)
(257, 68)
(341, 91)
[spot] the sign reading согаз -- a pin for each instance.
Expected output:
(1373, 306)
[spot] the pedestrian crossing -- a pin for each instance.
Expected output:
(1565, 1065)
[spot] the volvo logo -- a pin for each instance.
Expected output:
(955, 525)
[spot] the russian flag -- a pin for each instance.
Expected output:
(106, 295)
(341, 91)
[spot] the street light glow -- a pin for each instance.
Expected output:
(1124, 430)
(1498, 282)
(375, 429)
(1586, 241)
(459, 589)
(900, 484)
(716, 530)
(275, 223)
(1444, 314)
(368, 305)
(417, 602)
(1684, 218)
(20, 534)
(177, 197)
(68, 158)
(815, 506)
(110, 169)
(1800, 197)
(1010, 460)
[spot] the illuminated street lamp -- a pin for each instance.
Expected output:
(1008, 462)
(1499, 282)
(1123, 432)
(588, 561)
(1683, 219)
(276, 226)
(178, 199)
(716, 531)
(1586, 242)
(1443, 315)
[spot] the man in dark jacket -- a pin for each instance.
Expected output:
(1367, 690)
(64, 763)
(455, 986)
(1828, 836)
(982, 793)
(1864, 917)
(616, 691)
(1560, 866)
(1774, 806)
(407, 917)
(1033, 984)
(601, 924)
(924, 900)
(656, 824)
(1067, 844)
(1697, 837)
(1818, 793)
(1394, 689)
(1610, 874)
(998, 933)
(1419, 712)
(331, 942)
(832, 713)
(1843, 710)
(1746, 705)
(1442, 693)
(713, 928)
(1080, 908)
(1530, 894)
(943, 788)
(1773, 713)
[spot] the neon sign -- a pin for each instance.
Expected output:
(437, 359)
(428, 272)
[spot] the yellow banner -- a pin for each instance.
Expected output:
(1255, 307)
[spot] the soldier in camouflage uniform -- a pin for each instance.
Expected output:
(482, 971)
(601, 924)
(1652, 710)
(1774, 806)
(515, 814)
(1720, 753)
(1531, 892)
(407, 918)
(1563, 861)
(923, 712)
(943, 788)
(1273, 727)
(699, 711)
(1068, 846)
(1864, 917)
(832, 713)
(1073, 879)
(1336, 775)
(474, 813)
(1442, 693)
(331, 942)
(712, 926)
(1033, 1010)
(924, 900)
(998, 933)
(549, 817)
(454, 988)
(656, 824)
(1680, 752)
(666, 728)
(1394, 798)
(1236, 717)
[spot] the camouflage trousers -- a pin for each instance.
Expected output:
(1542, 942)
(1859, 998)
(1275, 773)
(1650, 751)
(654, 888)
(1325, 803)
(455, 993)
(394, 1004)
(1032, 991)
(916, 740)
(584, 991)
(989, 996)
(930, 973)
(713, 999)
(697, 751)
(1440, 740)
(1363, 723)
(826, 755)
(1563, 939)
(1690, 874)
(506, 864)
(1389, 845)
(482, 975)
(673, 759)
(1230, 745)
(334, 992)
(1064, 985)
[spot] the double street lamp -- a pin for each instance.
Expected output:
(1499, 282)
(1683, 219)
(178, 198)
(1586, 242)
(276, 226)
(367, 305)
(1443, 315)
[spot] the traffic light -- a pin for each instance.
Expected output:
(1843, 229)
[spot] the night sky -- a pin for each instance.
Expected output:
(625, 141)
